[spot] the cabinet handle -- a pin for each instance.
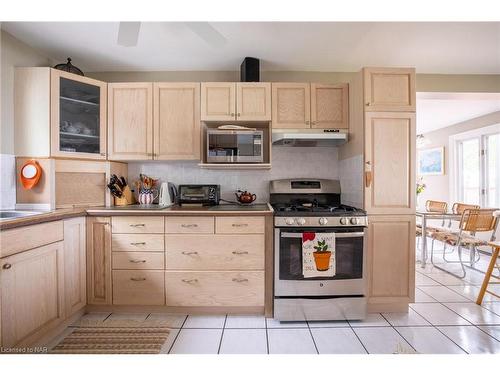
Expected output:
(368, 179)
(307, 122)
(189, 225)
(239, 114)
(103, 154)
(138, 243)
(138, 278)
(137, 225)
(190, 281)
(137, 261)
(232, 114)
(7, 266)
(239, 280)
(368, 103)
(313, 122)
(240, 225)
(189, 252)
(239, 252)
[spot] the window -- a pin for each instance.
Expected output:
(478, 168)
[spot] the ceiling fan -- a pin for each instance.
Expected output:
(128, 33)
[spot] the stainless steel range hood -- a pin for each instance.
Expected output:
(309, 137)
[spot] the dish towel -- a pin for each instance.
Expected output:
(318, 254)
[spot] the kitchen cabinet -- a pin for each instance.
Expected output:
(391, 261)
(390, 142)
(59, 114)
(242, 101)
(75, 288)
(389, 89)
(130, 121)
(32, 288)
(177, 132)
(99, 284)
(329, 106)
(291, 105)
(310, 106)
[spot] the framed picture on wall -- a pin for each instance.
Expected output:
(431, 161)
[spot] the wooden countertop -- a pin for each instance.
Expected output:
(59, 214)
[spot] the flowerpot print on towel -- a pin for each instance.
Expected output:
(318, 254)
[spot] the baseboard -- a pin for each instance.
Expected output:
(193, 310)
(388, 307)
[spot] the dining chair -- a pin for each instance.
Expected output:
(431, 206)
(472, 221)
(495, 247)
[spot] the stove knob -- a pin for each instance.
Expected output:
(354, 221)
(343, 221)
(323, 221)
(289, 221)
(301, 221)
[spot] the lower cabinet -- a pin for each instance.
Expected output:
(391, 261)
(32, 292)
(138, 287)
(75, 288)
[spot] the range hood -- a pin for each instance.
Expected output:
(309, 137)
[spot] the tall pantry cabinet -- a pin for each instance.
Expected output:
(389, 186)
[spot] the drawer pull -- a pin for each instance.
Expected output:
(239, 280)
(7, 266)
(137, 225)
(138, 243)
(189, 225)
(240, 225)
(137, 261)
(240, 252)
(189, 252)
(138, 278)
(190, 281)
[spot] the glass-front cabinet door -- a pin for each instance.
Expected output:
(78, 116)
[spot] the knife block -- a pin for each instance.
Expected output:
(126, 199)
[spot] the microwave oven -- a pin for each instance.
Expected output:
(235, 146)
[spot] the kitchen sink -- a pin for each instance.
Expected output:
(13, 214)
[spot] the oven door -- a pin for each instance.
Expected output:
(234, 146)
(349, 278)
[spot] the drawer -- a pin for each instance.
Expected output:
(136, 224)
(137, 242)
(239, 224)
(189, 224)
(138, 287)
(215, 252)
(25, 238)
(138, 260)
(208, 288)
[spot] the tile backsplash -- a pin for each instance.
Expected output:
(287, 162)
(7, 181)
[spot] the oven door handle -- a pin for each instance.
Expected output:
(339, 235)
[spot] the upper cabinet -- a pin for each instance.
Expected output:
(306, 106)
(291, 105)
(229, 101)
(177, 121)
(130, 121)
(59, 114)
(329, 106)
(389, 89)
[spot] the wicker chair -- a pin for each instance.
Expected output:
(471, 222)
(431, 206)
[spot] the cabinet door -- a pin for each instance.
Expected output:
(77, 116)
(98, 260)
(390, 163)
(291, 105)
(389, 89)
(130, 121)
(329, 106)
(218, 101)
(177, 121)
(31, 293)
(391, 260)
(253, 101)
(75, 289)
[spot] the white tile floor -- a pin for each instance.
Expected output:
(443, 319)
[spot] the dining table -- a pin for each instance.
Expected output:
(443, 216)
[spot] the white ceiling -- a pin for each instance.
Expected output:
(439, 110)
(451, 48)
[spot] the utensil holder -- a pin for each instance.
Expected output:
(126, 199)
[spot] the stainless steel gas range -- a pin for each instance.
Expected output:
(307, 208)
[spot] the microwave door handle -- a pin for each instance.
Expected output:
(339, 235)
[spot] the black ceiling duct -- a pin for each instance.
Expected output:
(250, 70)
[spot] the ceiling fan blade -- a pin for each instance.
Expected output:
(128, 34)
(208, 33)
